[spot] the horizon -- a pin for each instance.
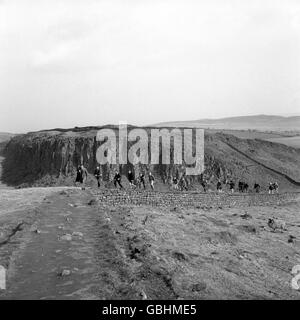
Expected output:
(286, 116)
(90, 62)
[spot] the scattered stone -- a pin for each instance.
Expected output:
(92, 202)
(66, 237)
(168, 280)
(65, 273)
(179, 256)
(249, 228)
(199, 286)
(145, 220)
(143, 295)
(276, 224)
(63, 193)
(58, 251)
(37, 231)
(246, 216)
(77, 234)
(291, 239)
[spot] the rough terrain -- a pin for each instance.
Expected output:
(58, 241)
(68, 245)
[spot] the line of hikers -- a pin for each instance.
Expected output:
(140, 182)
(273, 187)
(82, 175)
(178, 183)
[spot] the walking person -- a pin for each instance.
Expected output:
(97, 175)
(84, 175)
(142, 180)
(231, 186)
(175, 183)
(271, 188)
(275, 187)
(151, 180)
(256, 187)
(78, 175)
(182, 184)
(219, 186)
(204, 185)
(117, 180)
(130, 177)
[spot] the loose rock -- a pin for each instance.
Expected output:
(66, 237)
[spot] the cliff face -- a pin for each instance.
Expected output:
(51, 157)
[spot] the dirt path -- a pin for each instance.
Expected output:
(68, 252)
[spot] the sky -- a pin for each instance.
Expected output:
(73, 63)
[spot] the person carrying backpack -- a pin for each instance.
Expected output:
(97, 175)
(151, 180)
(142, 180)
(117, 180)
(130, 177)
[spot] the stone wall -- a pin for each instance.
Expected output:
(191, 199)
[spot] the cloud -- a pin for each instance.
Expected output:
(187, 58)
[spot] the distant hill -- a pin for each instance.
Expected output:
(256, 122)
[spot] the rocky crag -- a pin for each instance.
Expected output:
(51, 157)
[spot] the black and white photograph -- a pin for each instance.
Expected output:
(149, 151)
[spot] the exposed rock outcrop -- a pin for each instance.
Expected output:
(51, 158)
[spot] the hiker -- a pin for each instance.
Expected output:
(182, 183)
(117, 180)
(256, 187)
(84, 174)
(78, 175)
(130, 177)
(275, 187)
(271, 187)
(151, 180)
(219, 186)
(175, 183)
(204, 185)
(142, 180)
(97, 175)
(241, 185)
(231, 186)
